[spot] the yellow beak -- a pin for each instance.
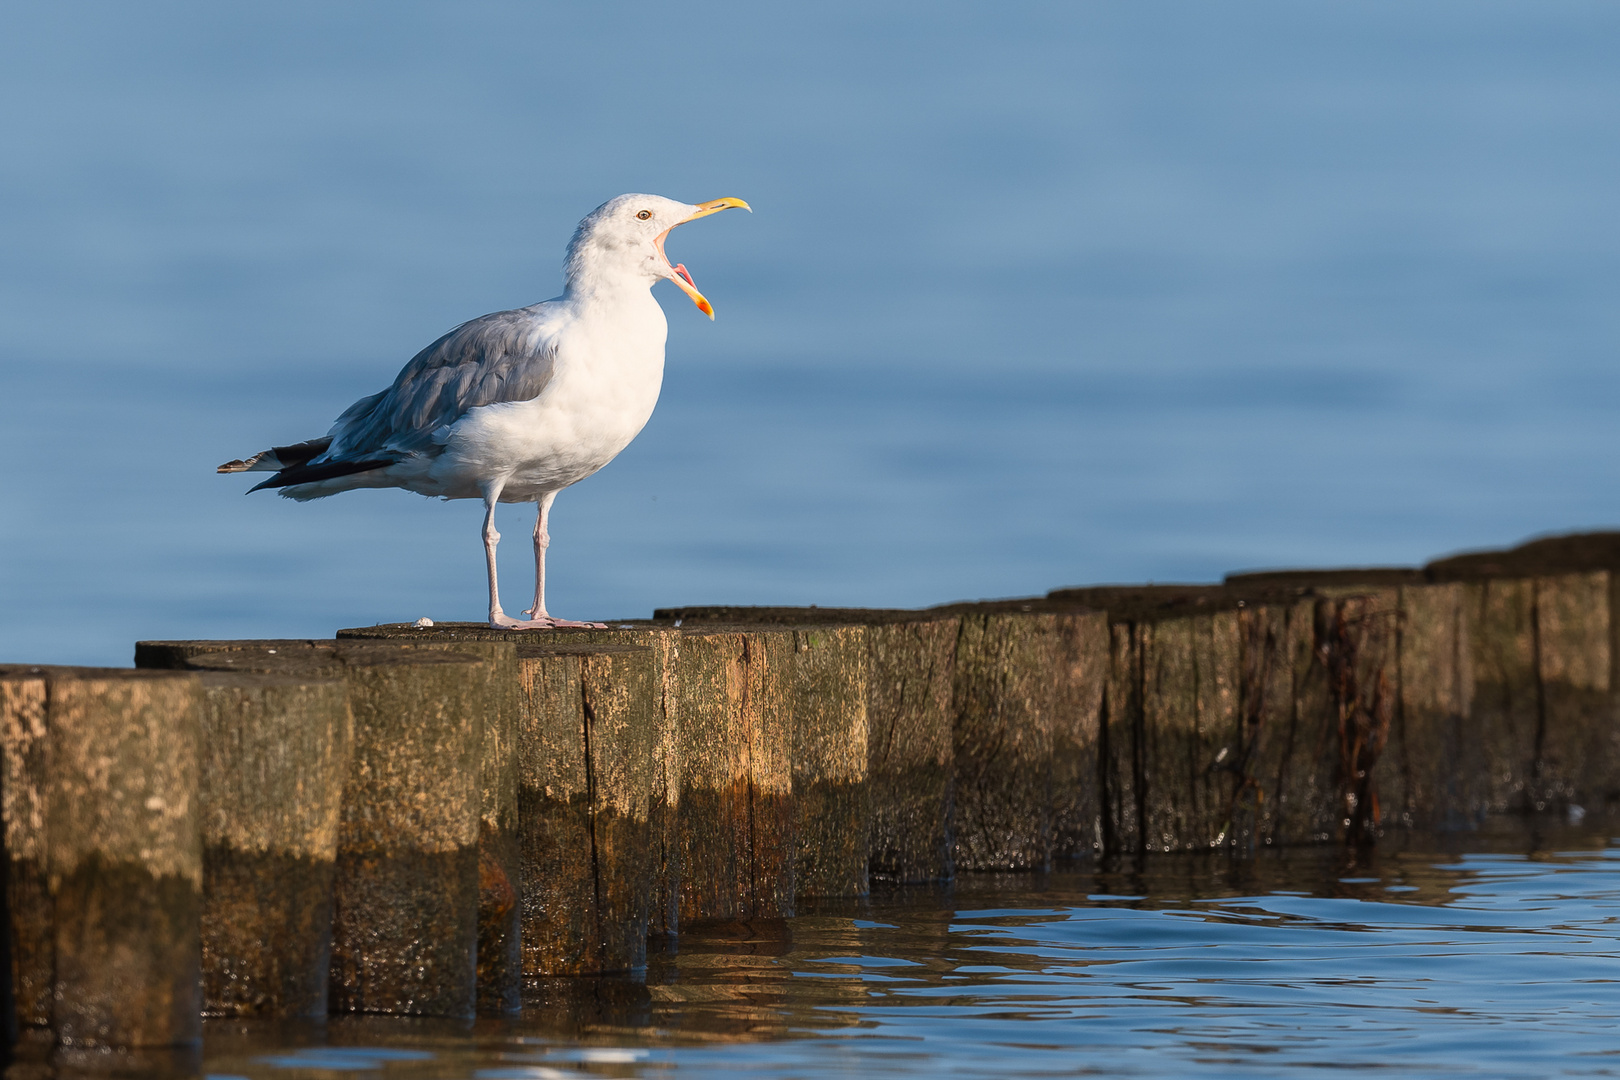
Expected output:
(682, 278)
(714, 207)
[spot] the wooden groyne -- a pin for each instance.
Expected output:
(414, 821)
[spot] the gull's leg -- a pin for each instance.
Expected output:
(542, 540)
(497, 618)
(538, 619)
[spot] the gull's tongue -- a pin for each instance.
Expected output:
(680, 268)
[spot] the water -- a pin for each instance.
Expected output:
(1488, 954)
(1054, 294)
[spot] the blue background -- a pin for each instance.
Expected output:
(1035, 294)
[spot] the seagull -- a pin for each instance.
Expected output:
(517, 405)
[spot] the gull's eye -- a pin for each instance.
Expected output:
(643, 215)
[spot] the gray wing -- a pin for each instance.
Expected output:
(496, 358)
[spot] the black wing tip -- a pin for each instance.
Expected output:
(309, 474)
(302, 452)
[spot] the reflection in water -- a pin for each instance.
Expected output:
(1488, 953)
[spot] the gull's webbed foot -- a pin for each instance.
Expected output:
(501, 621)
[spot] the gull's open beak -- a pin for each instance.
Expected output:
(679, 274)
(714, 207)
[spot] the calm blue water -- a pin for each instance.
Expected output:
(1036, 294)
(1492, 955)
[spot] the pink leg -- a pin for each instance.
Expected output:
(542, 540)
(538, 619)
(497, 618)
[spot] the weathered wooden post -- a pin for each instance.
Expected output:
(1306, 807)
(1544, 708)
(1172, 729)
(1004, 699)
(831, 790)
(1507, 677)
(1081, 677)
(1028, 713)
(100, 782)
(1346, 686)
(1506, 712)
(407, 883)
(586, 762)
(499, 976)
(275, 752)
(1156, 672)
(1431, 771)
(1547, 658)
(663, 810)
(1252, 713)
(664, 915)
(1032, 740)
(735, 831)
(1037, 729)
(405, 931)
(756, 713)
(1579, 753)
(909, 671)
(1440, 773)
(1189, 699)
(1265, 723)
(910, 752)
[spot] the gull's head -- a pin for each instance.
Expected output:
(623, 240)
